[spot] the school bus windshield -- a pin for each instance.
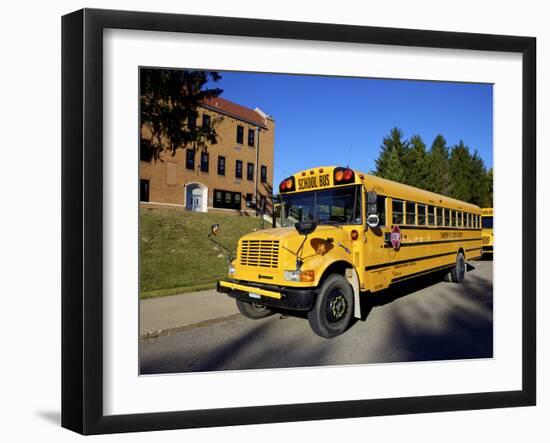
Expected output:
(327, 206)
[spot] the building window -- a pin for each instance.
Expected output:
(204, 161)
(397, 210)
(145, 151)
(249, 201)
(240, 135)
(190, 159)
(144, 190)
(205, 121)
(239, 169)
(221, 165)
(250, 171)
(251, 137)
(192, 122)
(227, 199)
(263, 174)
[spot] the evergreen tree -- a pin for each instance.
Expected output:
(479, 182)
(416, 168)
(437, 165)
(490, 188)
(458, 174)
(392, 152)
(461, 172)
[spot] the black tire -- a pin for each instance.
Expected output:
(459, 270)
(254, 311)
(333, 309)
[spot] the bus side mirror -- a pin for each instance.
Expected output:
(305, 227)
(373, 220)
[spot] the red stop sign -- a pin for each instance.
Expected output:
(395, 237)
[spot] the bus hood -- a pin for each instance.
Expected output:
(272, 251)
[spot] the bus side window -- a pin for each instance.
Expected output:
(431, 216)
(411, 213)
(439, 216)
(422, 215)
(397, 212)
(447, 217)
(381, 209)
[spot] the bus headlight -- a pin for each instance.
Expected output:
(292, 275)
(303, 276)
(231, 269)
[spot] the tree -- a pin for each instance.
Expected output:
(437, 165)
(461, 172)
(392, 152)
(490, 188)
(169, 99)
(416, 170)
(479, 182)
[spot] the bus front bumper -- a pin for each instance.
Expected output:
(296, 299)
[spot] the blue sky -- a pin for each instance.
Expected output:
(323, 121)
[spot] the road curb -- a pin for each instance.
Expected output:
(176, 329)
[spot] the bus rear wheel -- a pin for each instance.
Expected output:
(254, 311)
(331, 315)
(459, 270)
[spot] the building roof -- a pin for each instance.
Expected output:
(234, 110)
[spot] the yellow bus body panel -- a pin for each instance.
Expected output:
(263, 256)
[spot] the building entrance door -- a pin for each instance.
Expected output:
(197, 203)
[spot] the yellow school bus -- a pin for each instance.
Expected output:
(341, 235)
(487, 231)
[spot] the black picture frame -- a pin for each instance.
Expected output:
(82, 218)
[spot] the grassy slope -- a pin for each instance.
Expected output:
(176, 255)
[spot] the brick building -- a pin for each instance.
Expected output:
(231, 175)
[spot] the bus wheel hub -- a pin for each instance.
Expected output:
(336, 307)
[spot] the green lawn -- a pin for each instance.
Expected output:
(176, 255)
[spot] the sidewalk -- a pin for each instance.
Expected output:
(176, 311)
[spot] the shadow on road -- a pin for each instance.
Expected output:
(398, 290)
(419, 320)
(456, 323)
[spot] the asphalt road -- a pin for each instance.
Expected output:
(423, 319)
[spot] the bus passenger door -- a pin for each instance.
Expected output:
(376, 249)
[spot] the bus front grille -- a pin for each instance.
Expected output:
(259, 253)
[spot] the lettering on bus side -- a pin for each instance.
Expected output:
(446, 235)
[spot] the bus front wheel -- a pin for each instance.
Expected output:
(333, 308)
(459, 270)
(254, 311)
